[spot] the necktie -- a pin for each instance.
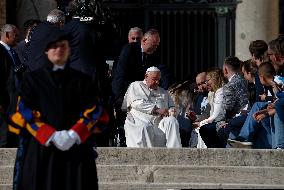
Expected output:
(15, 58)
(17, 64)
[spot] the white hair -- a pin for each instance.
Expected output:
(7, 28)
(56, 16)
(151, 32)
(153, 69)
(135, 29)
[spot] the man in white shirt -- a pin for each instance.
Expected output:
(147, 123)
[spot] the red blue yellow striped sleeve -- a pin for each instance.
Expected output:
(29, 119)
(92, 120)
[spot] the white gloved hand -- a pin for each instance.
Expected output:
(74, 135)
(62, 140)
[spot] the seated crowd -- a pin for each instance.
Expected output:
(240, 106)
(245, 109)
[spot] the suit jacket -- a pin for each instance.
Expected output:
(197, 103)
(6, 63)
(88, 54)
(82, 41)
(9, 83)
(21, 50)
(130, 68)
(235, 94)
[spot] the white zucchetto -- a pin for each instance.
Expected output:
(152, 69)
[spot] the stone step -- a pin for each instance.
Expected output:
(6, 174)
(7, 156)
(187, 156)
(5, 187)
(179, 174)
(191, 174)
(178, 186)
(184, 156)
(172, 186)
(161, 168)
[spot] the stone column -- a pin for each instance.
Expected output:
(255, 20)
(2, 12)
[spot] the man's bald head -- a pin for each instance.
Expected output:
(201, 77)
(201, 82)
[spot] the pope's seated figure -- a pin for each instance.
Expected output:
(150, 120)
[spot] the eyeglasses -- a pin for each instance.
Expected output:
(199, 84)
(207, 81)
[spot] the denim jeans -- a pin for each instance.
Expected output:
(234, 126)
(278, 133)
(279, 106)
(259, 133)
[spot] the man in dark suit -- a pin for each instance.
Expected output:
(133, 62)
(87, 56)
(11, 70)
(35, 50)
(201, 101)
(21, 47)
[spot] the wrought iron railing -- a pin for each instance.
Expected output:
(195, 34)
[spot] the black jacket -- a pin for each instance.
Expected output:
(130, 68)
(10, 76)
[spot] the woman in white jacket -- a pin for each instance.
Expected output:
(215, 81)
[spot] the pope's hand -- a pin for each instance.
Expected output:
(191, 115)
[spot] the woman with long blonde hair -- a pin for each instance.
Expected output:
(215, 81)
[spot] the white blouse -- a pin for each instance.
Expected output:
(216, 107)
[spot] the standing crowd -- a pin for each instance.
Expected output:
(58, 102)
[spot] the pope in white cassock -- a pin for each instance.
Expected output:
(150, 120)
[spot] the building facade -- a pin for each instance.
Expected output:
(2, 12)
